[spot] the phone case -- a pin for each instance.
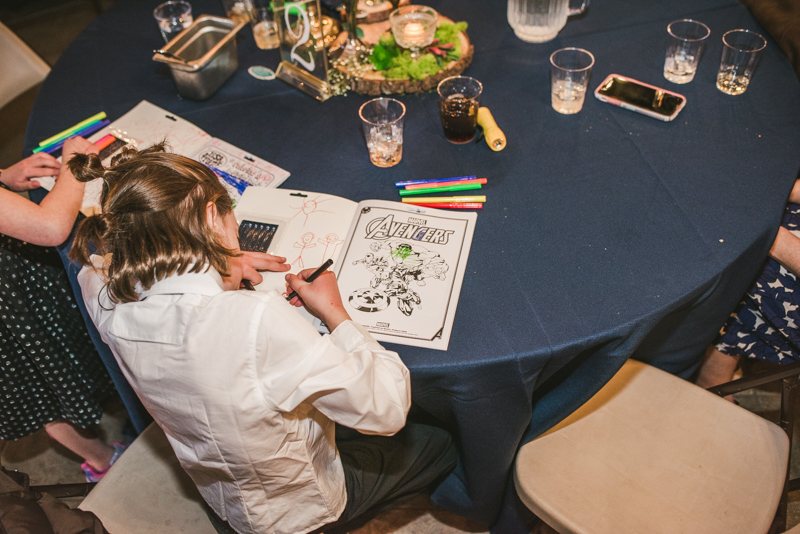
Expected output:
(637, 109)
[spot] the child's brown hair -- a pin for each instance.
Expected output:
(153, 220)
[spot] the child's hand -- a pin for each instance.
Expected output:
(252, 262)
(321, 297)
(77, 145)
(19, 177)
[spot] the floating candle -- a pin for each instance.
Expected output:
(414, 31)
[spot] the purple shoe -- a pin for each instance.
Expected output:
(96, 476)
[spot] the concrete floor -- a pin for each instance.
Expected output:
(48, 26)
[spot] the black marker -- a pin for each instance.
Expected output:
(248, 285)
(311, 278)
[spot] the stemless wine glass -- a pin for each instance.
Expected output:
(413, 27)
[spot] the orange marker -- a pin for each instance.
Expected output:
(105, 141)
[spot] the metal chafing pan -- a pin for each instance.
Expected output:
(202, 56)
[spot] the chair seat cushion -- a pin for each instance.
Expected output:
(652, 453)
(148, 492)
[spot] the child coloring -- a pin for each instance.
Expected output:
(253, 400)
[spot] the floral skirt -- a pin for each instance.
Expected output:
(766, 323)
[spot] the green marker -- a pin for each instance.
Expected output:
(69, 131)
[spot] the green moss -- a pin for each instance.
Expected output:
(396, 63)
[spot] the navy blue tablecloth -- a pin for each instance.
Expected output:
(606, 235)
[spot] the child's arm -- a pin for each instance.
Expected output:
(321, 297)
(50, 222)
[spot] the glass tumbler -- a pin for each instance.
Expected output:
(382, 120)
(173, 17)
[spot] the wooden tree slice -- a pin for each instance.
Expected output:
(375, 84)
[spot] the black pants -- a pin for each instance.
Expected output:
(381, 469)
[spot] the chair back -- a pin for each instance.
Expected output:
(21, 67)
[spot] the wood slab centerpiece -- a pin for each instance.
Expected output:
(389, 69)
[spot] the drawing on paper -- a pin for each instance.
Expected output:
(304, 243)
(331, 242)
(309, 206)
(212, 158)
(395, 265)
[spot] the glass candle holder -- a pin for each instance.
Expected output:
(413, 27)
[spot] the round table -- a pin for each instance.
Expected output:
(606, 235)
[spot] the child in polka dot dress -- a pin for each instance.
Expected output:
(50, 374)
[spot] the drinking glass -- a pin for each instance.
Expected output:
(569, 78)
(741, 53)
(382, 119)
(539, 21)
(173, 17)
(413, 27)
(459, 100)
(237, 10)
(265, 30)
(685, 47)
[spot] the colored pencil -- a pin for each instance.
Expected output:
(92, 128)
(434, 181)
(313, 276)
(105, 141)
(445, 184)
(69, 131)
(444, 200)
(427, 190)
(451, 205)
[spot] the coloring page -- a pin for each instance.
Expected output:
(239, 169)
(147, 124)
(305, 228)
(400, 274)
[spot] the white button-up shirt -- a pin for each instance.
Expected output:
(247, 391)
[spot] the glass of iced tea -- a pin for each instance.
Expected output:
(459, 99)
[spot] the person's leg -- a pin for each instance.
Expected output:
(380, 469)
(82, 442)
(717, 368)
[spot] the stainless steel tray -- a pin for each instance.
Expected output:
(203, 56)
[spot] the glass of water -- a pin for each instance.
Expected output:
(569, 78)
(741, 52)
(685, 47)
(382, 119)
(173, 17)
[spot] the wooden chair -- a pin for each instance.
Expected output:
(652, 453)
(148, 492)
(21, 67)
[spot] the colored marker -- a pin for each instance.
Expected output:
(313, 277)
(92, 128)
(105, 141)
(427, 190)
(69, 131)
(444, 200)
(445, 184)
(451, 205)
(434, 181)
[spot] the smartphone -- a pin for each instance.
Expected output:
(640, 97)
